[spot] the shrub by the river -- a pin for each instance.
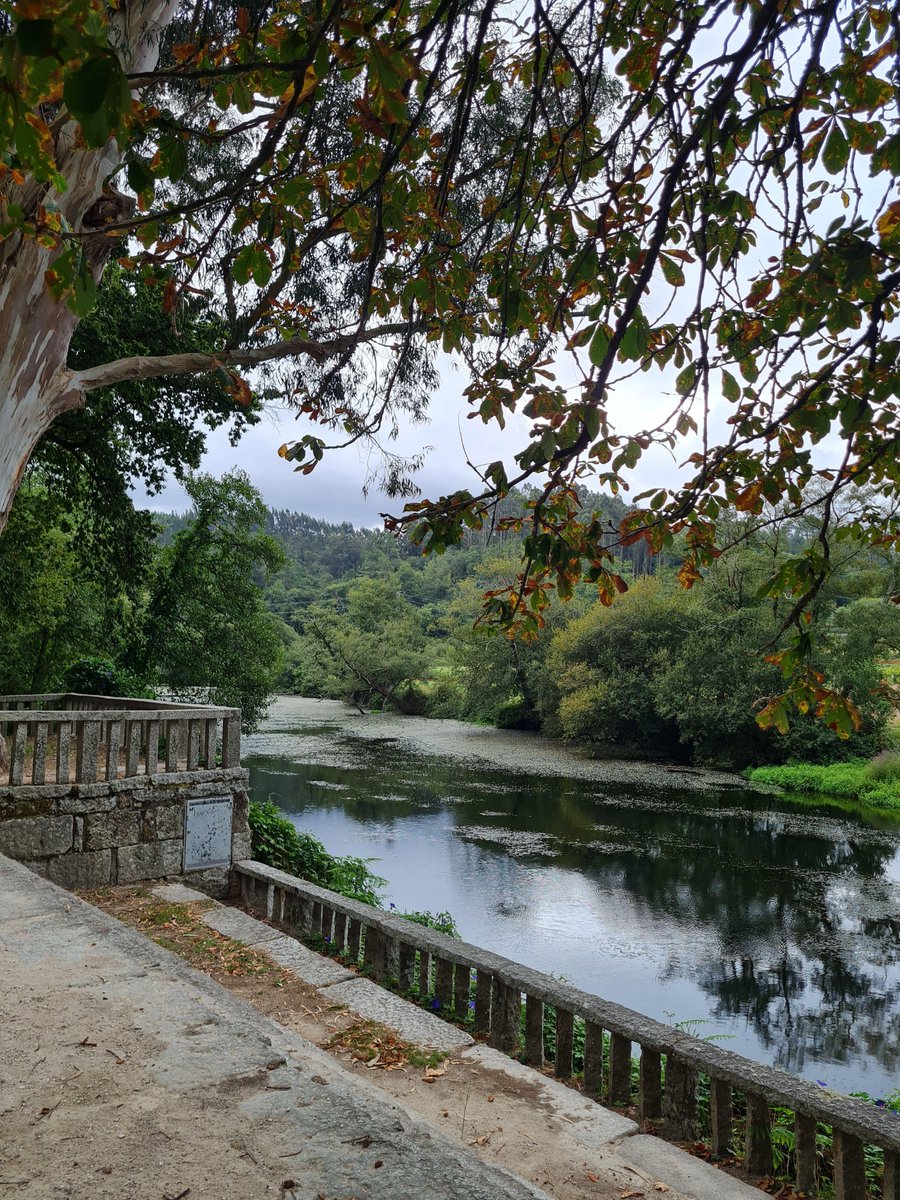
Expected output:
(875, 784)
(276, 841)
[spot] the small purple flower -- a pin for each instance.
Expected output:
(471, 1004)
(821, 1083)
(393, 905)
(879, 1104)
(327, 940)
(435, 1004)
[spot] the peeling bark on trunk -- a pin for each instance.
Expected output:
(36, 329)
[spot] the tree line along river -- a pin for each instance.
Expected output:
(684, 895)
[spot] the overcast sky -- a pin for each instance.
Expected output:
(334, 491)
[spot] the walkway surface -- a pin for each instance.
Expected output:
(127, 1075)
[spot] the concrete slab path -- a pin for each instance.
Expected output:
(127, 1075)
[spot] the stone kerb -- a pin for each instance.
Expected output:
(867, 1123)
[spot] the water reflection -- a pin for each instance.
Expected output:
(779, 927)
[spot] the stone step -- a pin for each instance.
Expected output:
(687, 1177)
(589, 1124)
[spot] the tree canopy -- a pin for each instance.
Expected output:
(705, 194)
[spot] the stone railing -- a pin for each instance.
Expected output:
(672, 1062)
(75, 738)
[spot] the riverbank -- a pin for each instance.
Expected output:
(319, 721)
(871, 784)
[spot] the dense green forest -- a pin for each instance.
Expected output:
(662, 671)
(242, 601)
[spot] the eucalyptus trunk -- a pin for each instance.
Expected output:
(35, 328)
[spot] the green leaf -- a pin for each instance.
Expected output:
(243, 264)
(836, 152)
(672, 271)
(98, 96)
(599, 345)
(140, 177)
(731, 389)
(686, 380)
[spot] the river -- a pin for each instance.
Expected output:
(684, 895)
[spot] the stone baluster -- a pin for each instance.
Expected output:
(231, 742)
(340, 931)
(354, 935)
(39, 761)
(650, 1085)
(151, 761)
(534, 1031)
(805, 1152)
(193, 745)
(593, 1060)
(680, 1100)
(87, 745)
(406, 971)
(506, 1010)
(483, 991)
(173, 737)
(327, 924)
(619, 1069)
(17, 753)
(890, 1184)
(849, 1166)
(133, 732)
(374, 952)
(443, 983)
(720, 1117)
(565, 1037)
(758, 1142)
(63, 742)
(113, 742)
(462, 981)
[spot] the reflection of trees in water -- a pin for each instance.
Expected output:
(803, 1010)
(810, 971)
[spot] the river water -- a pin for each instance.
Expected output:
(681, 894)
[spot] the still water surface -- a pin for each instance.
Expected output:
(684, 896)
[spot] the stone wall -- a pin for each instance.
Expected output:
(89, 835)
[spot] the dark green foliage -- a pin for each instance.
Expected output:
(100, 677)
(277, 842)
(206, 627)
(517, 714)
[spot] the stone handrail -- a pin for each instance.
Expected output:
(78, 738)
(433, 964)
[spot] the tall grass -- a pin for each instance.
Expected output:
(874, 784)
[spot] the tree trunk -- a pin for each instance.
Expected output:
(35, 328)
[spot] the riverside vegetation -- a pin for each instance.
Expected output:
(237, 601)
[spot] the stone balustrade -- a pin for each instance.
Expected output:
(671, 1062)
(98, 790)
(75, 738)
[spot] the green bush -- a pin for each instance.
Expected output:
(276, 841)
(100, 677)
(517, 714)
